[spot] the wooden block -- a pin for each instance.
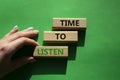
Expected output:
(51, 51)
(69, 23)
(60, 36)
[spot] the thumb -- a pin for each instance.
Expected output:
(21, 62)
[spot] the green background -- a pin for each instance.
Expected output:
(98, 59)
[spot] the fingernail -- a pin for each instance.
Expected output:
(32, 60)
(36, 31)
(30, 28)
(15, 27)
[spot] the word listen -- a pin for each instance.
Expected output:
(60, 36)
(51, 51)
(69, 23)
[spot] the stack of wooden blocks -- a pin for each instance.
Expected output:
(65, 30)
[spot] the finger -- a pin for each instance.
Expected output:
(17, 44)
(14, 30)
(23, 34)
(29, 29)
(21, 62)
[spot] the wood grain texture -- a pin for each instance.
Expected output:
(69, 23)
(60, 36)
(51, 51)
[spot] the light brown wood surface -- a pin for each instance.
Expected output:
(51, 51)
(60, 36)
(69, 23)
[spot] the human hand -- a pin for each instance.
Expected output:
(9, 44)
